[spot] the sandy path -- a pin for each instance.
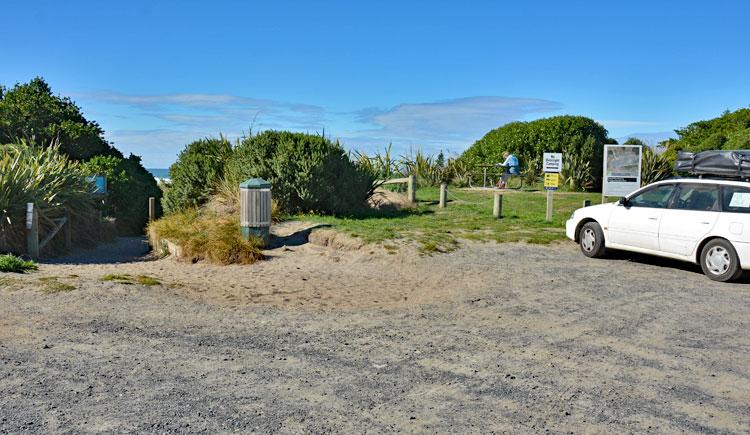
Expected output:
(488, 338)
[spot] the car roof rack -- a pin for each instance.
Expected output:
(717, 164)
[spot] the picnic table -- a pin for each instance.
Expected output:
(484, 172)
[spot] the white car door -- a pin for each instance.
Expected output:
(691, 216)
(636, 223)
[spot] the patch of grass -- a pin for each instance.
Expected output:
(50, 284)
(207, 236)
(11, 263)
(8, 283)
(467, 216)
(119, 279)
(147, 280)
(127, 279)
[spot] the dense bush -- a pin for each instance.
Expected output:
(309, 173)
(31, 112)
(129, 186)
(575, 136)
(196, 173)
(47, 178)
(730, 131)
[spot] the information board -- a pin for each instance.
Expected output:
(551, 181)
(552, 162)
(622, 169)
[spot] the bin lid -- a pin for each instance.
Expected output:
(255, 183)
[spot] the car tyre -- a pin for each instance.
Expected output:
(591, 240)
(720, 262)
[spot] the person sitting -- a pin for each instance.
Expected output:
(511, 168)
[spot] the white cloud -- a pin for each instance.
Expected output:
(447, 124)
(158, 126)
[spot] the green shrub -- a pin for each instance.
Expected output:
(11, 263)
(309, 173)
(654, 167)
(31, 112)
(207, 236)
(574, 136)
(51, 181)
(730, 131)
(129, 186)
(576, 173)
(196, 174)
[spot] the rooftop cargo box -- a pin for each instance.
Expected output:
(716, 163)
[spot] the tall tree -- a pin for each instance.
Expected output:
(30, 111)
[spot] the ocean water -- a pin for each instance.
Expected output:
(159, 173)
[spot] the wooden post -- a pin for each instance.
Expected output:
(497, 207)
(151, 209)
(411, 189)
(67, 232)
(443, 194)
(549, 205)
(32, 225)
(604, 198)
(586, 202)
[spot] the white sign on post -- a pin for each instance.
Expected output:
(29, 215)
(622, 169)
(552, 163)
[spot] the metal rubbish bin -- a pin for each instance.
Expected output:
(255, 208)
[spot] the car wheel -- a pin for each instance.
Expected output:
(719, 261)
(591, 239)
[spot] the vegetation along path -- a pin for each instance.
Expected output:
(487, 337)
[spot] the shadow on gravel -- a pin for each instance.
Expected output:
(666, 262)
(122, 250)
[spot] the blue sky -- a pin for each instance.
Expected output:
(429, 74)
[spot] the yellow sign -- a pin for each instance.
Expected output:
(551, 181)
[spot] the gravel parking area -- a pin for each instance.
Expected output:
(487, 338)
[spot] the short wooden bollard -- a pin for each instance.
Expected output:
(443, 194)
(151, 208)
(32, 227)
(586, 202)
(497, 207)
(68, 232)
(411, 189)
(549, 205)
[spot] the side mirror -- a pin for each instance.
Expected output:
(623, 202)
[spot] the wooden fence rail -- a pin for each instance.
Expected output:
(411, 186)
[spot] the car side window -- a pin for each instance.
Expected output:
(735, 199)
(656, 197)
(702, 197)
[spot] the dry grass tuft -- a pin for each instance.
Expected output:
(207, 236)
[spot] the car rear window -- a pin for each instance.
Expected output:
(735, 199)
(703, 197)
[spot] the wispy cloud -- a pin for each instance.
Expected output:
(199, 100)
(158, 126)
(448, 123)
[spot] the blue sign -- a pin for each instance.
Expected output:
(100, 184)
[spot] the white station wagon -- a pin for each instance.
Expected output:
(703, 221)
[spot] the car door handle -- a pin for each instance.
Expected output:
(705, 223)
(652, 218)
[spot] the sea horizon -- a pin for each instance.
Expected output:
(159, 173)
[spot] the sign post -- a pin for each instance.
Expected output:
(32, 227)
(552, 167)
(621, 170)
